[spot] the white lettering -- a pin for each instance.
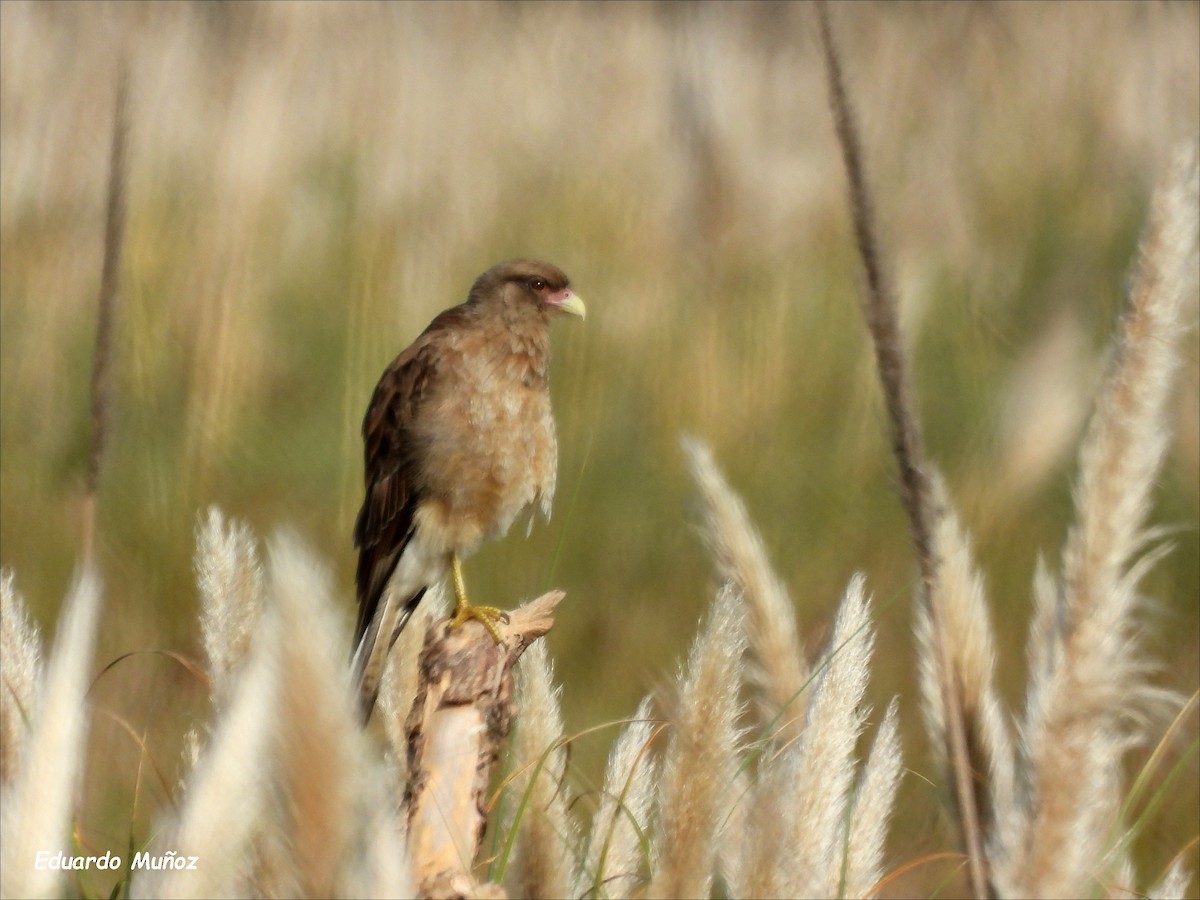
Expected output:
(172, 859)
(59, 861)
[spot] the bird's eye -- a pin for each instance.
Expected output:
(538, 284)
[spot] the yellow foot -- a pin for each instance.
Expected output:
(487, 616)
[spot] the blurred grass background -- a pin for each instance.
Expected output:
(310, 183)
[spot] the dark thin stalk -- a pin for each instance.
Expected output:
(114, 239)
(880, 311)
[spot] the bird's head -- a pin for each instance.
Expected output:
(521, 282)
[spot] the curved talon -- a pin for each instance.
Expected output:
(487, 616)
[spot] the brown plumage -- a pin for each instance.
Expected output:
(459, 441)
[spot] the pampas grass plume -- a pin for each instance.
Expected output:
(872, 809)
(966, 622)
(614, 853)
(37, 805)
(545, 843)
(319, 747)
(1088, 687)
(779, 669)
(226, 793)
(797, 824)
(20, 663)
(230, 579)
(701, 755)
(398, 685)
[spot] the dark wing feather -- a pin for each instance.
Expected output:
(392, 464)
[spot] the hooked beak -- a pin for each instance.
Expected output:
(568, 302)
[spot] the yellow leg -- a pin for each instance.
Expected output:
(487, 616)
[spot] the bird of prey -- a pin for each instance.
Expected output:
(459, 441)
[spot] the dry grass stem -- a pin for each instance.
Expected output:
(544, 853)
(701, 756)
(1089, 686)
(615, 851)
(110, 273)
(38, 804)
(20, 663)
(880, 309)
(779, 669)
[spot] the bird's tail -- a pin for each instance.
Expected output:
(372, 653)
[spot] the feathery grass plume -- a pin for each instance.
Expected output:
(734, 836)
(319, 750)
(880, 310)
(1042, 648)
(545, 848)
(872, 809)
(226, 793)
(701, 756)
(398, 684)
(967, 628)
(20, 663)
(797, 825)
(230, 579)
(1174, 883)
(37, 808)
(379, 867)
(615, 851)
(779, 669)
(192, 745)
(280, 793)
(1091, 681)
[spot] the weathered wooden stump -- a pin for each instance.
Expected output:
(462, 712)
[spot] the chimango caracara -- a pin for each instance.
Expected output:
(459, 442)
